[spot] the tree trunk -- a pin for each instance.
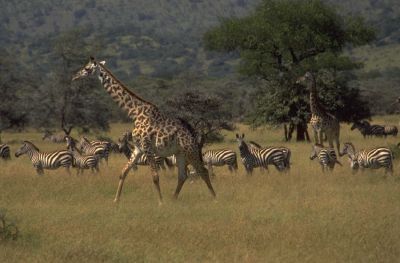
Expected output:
(302, 133)
(285, 130)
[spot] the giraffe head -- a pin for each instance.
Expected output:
(306, 78)
(89, 69)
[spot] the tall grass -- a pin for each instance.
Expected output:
(305, 216)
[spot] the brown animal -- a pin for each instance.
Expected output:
(154, 133)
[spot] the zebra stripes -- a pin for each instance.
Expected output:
(82, 162)
(56, 138)
(260, 157)
(5, 151)
(286, 152)
(367, 129)
(100, 149)
(126, 148)
(40, 161)
(219, 158)
(391, 130)
(326, 157)
(374, 158)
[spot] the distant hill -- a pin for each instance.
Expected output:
(163, 38)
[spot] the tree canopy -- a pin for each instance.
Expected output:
(282, 40)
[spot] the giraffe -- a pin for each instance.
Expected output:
(154, 133)
(321, 121)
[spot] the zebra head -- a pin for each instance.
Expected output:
(356, 125)
(89, 69)
(348, 149)
(353, 162)
(26, 147)
(241, 142)
(71, 143)
(46, 134)
(122, 144)
(315, 150)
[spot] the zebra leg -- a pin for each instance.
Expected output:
(68, 170)
(210, 169)
(39, 171)
(182, 173)
(132, 161)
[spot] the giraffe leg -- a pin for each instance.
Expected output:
(338, 145)
(132, 161)
(316, 136)
(203, 172)
(182, 173)
(154, 172)
(321, 137)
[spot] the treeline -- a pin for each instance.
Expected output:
(157, 48)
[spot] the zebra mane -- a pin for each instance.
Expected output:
(254, 144)
(351, 144)
(32, 145)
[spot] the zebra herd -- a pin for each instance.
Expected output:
(84, 154)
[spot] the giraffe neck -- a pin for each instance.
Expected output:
(314, 101)
(126, 99)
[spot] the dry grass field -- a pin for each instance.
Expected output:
(303, 216)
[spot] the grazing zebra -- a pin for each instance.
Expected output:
(126, 148)
(286, 152)
(367, 129)
(253, 157)
(56, 138)
(326, 156)
(219, 158)
(40, 161)
(112, 146)
(390, 130)
(5, 151)
(100, 149)
(374, 158)
(82, 162)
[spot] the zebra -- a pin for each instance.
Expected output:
(286, 151)
(374, 158)
(40, 161)
(326, 156)
(219, 158)
(367, 129)
(126, 148)
(112, 146)
(82, 162)
(56, 138)
(390, 130)
(5, 151)
(100, 149)
(253, 157)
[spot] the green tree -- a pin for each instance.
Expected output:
(203, 112)
(72, 104)
(282, 40)
(15, 106)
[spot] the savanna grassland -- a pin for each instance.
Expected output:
(303, 216)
